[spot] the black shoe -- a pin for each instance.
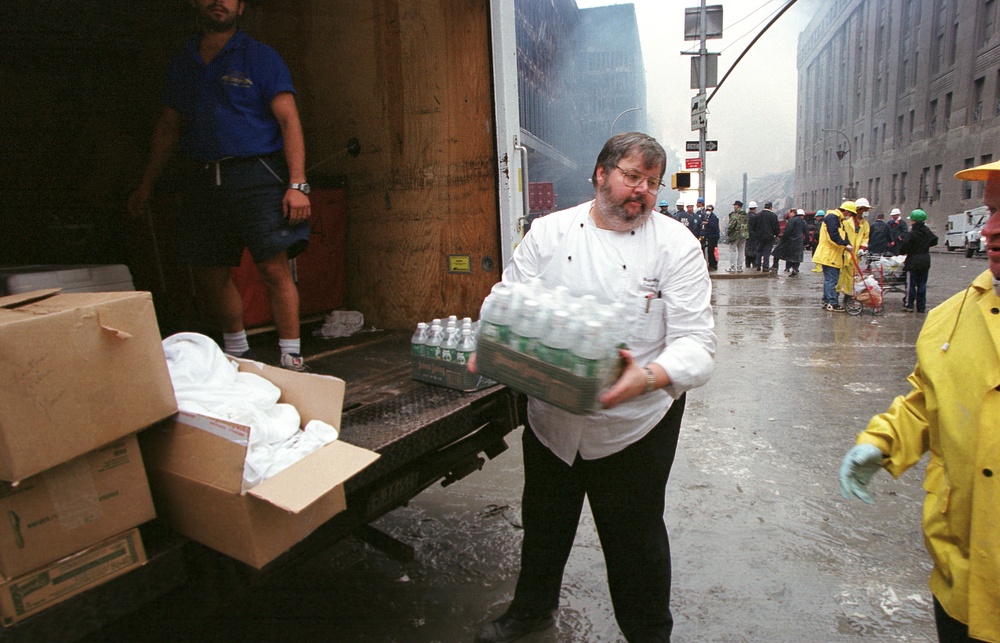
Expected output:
(510, 627)
(247, 354)
(907, 309)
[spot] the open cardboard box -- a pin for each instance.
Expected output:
(195, 468)
(79, 370)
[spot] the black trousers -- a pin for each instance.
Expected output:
(950, 630)
(626, 495)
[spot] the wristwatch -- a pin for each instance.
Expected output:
(301, 187)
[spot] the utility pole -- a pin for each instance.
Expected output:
(702, 85)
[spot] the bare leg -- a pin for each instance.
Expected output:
(282, 294)
(221, 297)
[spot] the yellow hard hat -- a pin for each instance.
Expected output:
(978, 173)
(849, 206)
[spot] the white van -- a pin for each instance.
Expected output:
(961, 225)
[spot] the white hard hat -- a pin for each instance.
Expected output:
(753, 204)
(800, 212)
(680, 203)
(895, 212)
(862, 203)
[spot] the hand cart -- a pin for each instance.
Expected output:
(866, 293)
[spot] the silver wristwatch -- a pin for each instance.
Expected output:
(301, 187)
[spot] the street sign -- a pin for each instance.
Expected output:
(698, 121)
(692, 164)
(711, 74)
(699, 104)
(710, 146)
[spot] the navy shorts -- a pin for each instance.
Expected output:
(236, 204)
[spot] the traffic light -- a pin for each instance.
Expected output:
(680, 180)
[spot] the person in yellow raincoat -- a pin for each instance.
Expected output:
(829, 253)
(858, 231)
(953, 411)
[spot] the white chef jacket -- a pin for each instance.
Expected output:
(659, 264)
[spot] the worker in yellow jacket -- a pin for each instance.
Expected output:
(829, 253)
(858, 231)
(953, 412)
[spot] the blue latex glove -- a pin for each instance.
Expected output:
(857, 469)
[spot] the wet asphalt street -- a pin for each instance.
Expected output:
(764, 547)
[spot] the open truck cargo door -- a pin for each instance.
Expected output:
(512, 156)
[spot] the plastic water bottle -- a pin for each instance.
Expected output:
(466, 346)
(554, 346)
(435, 336)
(495, 323)
(418, 343)
(449, 346)
(528, 327)
(585, 355)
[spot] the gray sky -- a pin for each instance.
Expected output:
(753, 115)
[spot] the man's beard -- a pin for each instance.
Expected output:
(616, 216)
(209, 22)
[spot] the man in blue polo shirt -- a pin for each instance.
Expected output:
(229, 103)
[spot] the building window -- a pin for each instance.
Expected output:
(913, 115)
(875, 141)
(895, 178)
(996, 97)
(986, 25)
(871, 183)
(947, 111)
(977, 98)
(967, 185)
(932, 117)
(924, 189)
(937, 182)
(902, 187)
(981, 185)
(898, 138)
(878, 189)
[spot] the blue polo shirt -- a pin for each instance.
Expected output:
(226, 104)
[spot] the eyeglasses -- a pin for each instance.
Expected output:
(632, 179)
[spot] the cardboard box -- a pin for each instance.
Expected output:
(79, 370)
(196, 470)
(54, 583)
(447, 374)
(72, 506)
(536, 378)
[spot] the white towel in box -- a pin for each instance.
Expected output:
(206, 382)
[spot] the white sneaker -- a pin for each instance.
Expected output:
(294, 362)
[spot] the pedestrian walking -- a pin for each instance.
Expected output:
(916, 246)
(245, 183)
(952, 412)
(767, 229)
(618, 458)
(791, 244)
(737, 231)
(753, 237)
(710, 233)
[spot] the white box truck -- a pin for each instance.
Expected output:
(962, 231)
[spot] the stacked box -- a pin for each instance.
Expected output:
(83, 373)
(51, 584)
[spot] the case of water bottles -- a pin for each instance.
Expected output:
(439, 354)
(550, 345)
